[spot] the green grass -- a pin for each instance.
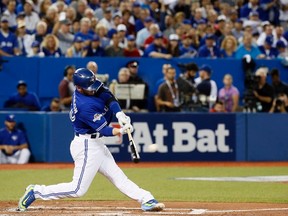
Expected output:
(160, 182)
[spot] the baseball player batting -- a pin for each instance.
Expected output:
(91, 112)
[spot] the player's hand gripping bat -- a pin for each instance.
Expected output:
(134, 153)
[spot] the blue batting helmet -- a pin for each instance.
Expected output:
(86, 79)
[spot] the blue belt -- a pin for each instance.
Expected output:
(92, 136)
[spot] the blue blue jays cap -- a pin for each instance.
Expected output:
(130, 37)
(210, 36)
(148, 19)
(35, 44)
(95, 38)
(136, 4)
(21, 83)
(10, 118)
(269, 40)
(186, 22)
(280, 44)
(158, 35)
(206, 68)
(78, 40)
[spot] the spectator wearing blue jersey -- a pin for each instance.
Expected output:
(270, 11)
(53, 106)
(209, 50)
(50, 46)
(13, 143)
(95, 49)
(251, 6)
(84, 33)
(186, 48)
(156, 49)
(23, 99)
(8, 40)
(228, 47)
(77, 49)
(267, 49)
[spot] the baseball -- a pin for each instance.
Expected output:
(152, 147)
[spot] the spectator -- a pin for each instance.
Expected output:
(66, 87)
(221, 24)
(23, 99)
(278, 85)
(54, 106)
(280, 104)
(181, 6)
(99, 12)
(186, 49)
(101, 31)
(81, 6)
(41, 30)
(156, 50)
(247, 48)
(282, 50)
(44, 5)
(267, 50)
(140, 15)
(107, 19)
(13, 143)
(24, 40)
(144, 32)
(121, 31)
(207, 88)
(218, 107)
(84, 32)
(31, 17)
(114, 50)
(173, 45)
(11, 15)
(228, 47)
(71, 16)
(95, 48)
(237, 31)
(264, 93)
(51, 18)
(50, 46)
(168, 93)
(8, 40)
(126, 20)
(154, 29)
(131, 50)
(270, 11)
(169, 27)
(209, 50)
(229, 94)
(92, 66)
(251, 6)
(77, 49)
(283, 18)
(35, 50)
(62, 31)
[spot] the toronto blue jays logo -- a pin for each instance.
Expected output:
(97, 117)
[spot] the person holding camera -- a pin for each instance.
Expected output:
(264, 92)
(280, 104)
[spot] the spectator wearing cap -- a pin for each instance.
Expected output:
(85, 31)
(121, 31)
(251, 6)
(23, 99)
(282, 50)
(77, 50)
(114, 50)
(31, 17)
(209, 50)
(24, 40)
(94, 4)
(264, 92)
(228, 47)
(248, 48)
(270, 11)
(144, 33)
(50, 46)
(101, 31)
(11, 15)
(131, 49)
(173, 47)
(95, 49)
(267, 49)
(237, 31)
(154, 29)
(156, 49)
(35, 50)
(62, 30)
(186, 48)
(8, 40)
(99, 12)
(207, 87)
(13, 143)
(107, 19)
(66, 87)
(220, 27)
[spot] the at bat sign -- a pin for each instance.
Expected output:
(134, 153)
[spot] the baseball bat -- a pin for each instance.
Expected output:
(134, 153)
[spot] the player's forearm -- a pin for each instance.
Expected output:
(23, 146)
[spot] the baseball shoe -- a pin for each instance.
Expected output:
(27, 199)
(152, 205)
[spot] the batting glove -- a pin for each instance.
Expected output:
(123, 119)
(123, 130)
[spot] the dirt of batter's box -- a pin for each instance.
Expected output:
(131, 208)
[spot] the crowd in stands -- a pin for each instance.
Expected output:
(148, 28)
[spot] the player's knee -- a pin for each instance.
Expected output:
(81, 192)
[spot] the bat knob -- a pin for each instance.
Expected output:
(136, 160)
